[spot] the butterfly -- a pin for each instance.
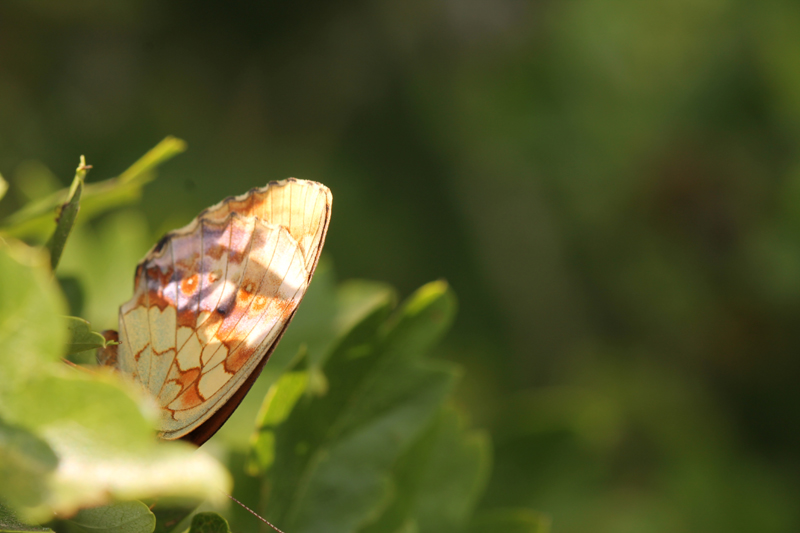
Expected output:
(211, 301)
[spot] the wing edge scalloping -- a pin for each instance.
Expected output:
(211, 211)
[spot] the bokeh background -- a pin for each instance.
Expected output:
(611, 187)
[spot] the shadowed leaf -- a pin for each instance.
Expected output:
(25, 463)
(209, 523)
(9, 523)
(278, 403)
(511, 521)
(439, 479)
(82, 337)
(170, 518)
(97, 197)
(337, 451)
(122, 517)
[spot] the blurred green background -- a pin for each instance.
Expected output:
(612, 188)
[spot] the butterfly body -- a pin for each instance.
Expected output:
(212, 299)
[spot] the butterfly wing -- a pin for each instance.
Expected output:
(211, 301)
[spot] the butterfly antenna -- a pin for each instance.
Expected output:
(254, 513)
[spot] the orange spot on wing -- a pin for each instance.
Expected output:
(248, 288)
(189, 285)
(259, 303)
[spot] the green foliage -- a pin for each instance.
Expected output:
(381, 395)
(36, 217)
(511, 521)
(209, 523)
(25, 463)
(81, 336)
(357, 431)
(9, 523)
(67, 215)
(31, 328)
(122, 517)
(437, 481)
(3, 187)
(69, 438)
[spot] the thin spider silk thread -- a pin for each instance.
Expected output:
(254, 513)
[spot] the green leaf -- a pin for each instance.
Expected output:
(3, 187)
(209, 523)
(26, 461)
(359, 298)
(170, 517)
(100, 429)
(97, 198)
(121, 517)
(278, 403)
(67, 215)
(82, 337)
(511, 521)
(439, 479)
(107, 448)
(9, 523)
(32, 330)
(337, 451)
(103, 259)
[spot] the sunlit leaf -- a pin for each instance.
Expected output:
(3, 187)
(68, 213)
(359, 298)
(32, 328)
(106, 447)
